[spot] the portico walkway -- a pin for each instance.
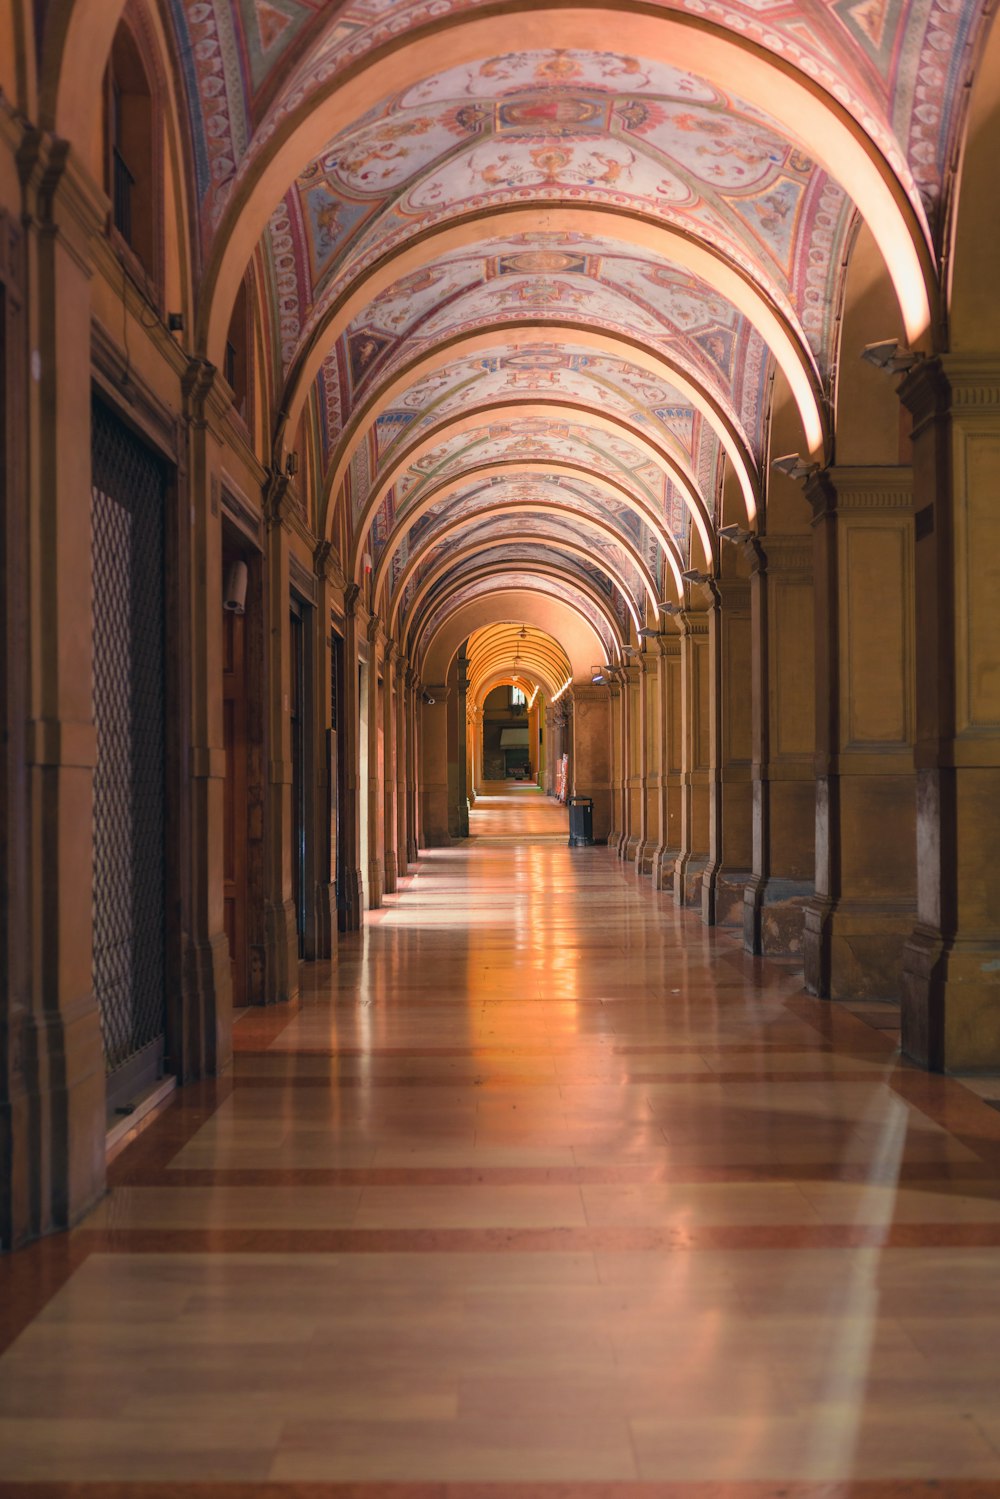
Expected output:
(544, 1182)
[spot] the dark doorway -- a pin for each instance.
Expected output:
(235, 859)
(129, 682)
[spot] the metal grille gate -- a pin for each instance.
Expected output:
(127, 525)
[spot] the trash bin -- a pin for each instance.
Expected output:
(581, 822)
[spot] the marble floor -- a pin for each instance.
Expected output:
(543, 1189)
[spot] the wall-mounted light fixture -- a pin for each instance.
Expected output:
(564, 688)
(667, 606)
(735, 534)
(889, 355)
(648, 632)
(694, 576)
(794, 466)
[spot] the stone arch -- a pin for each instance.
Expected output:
(621, 346)
(799, 106)
(515, 469)
(477, 517)
(453, 427)
(613, 224)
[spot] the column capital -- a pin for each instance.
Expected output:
(326, 564)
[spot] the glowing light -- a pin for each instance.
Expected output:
(564, 688)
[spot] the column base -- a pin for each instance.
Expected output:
(774, 916)
(663, 866)
(950, 1009)
(854, 949)
(688, 875)
(412, 853)
(351, 902)
(63, 1114)
(375, 885)
(722, 897)
(389, 884)
(281, 953)
(325, 929)
(205, 1043)
(630, 847)
(643, 858)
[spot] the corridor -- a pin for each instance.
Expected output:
(543, 1181)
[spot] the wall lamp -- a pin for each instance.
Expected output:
(694, 576)
(794, 466)
(889, 355)
(736, 534)
(666, 606)
(648, 632)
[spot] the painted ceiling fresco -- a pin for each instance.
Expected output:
(557, 533)
(535, 440)
(448, 599)
(547, 559)
(896, 65)
(398, 240)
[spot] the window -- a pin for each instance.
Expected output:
(132, 176)
(518, 698)
(237, 365)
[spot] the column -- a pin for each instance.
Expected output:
(951, 961)
(476, 758)
(331, 582)
(590, 706)
(638, 763)
(352, 897)
(692, 855)
(865, 902)
(668, 744)
(53, 1043)
(730, 821)
(413, 824)
(402, 716)
(618, 692)
(375, 813)
(281, 943)
(435, 802)
(784, 731)
(461, 746)
(390, 709)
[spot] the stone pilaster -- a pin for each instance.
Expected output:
(375, 872)
(413, 824)
(330, 585)
(281, 946)
(668, 758)
(402, 723)
(696, 745)
(435, 801)
(782, 685)
(352, 896)
(588, 725)
(865, 901)
(730, 819)
(54, 1114)
(389, 767)
(951, 961)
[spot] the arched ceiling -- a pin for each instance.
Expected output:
(529, 301)
(516, 653)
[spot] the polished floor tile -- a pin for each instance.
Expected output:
(542, 1184)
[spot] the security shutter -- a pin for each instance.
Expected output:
(127, 502)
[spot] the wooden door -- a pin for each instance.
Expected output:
(234, 875)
